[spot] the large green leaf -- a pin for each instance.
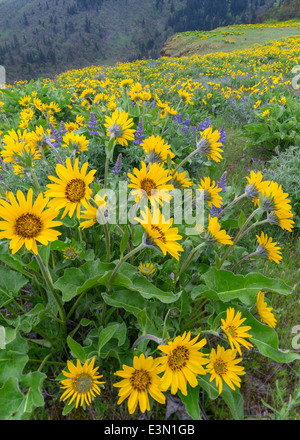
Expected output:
(127, 300)
(13, 359)
(266, 340)
(14, 403)
(132, 303)
(105, 335)
(76, 280)
(225, 286)
(11, 400)
(13, 261)
(11, 283)
(77, 350)
(129, 278)
(32, 384)
(233, 398)
(191, 402)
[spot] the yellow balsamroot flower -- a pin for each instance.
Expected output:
(38, 104)
(40, 137)
(160, 233)
(25, 101)
(90, 215)
(126, 82)
(75, 142)
(257, 104)
(255, 186)
(223, 366)
(209, 144)
(71, 126)
(138, 381)
(265, 113)
(152, 183)
(268, 248)
(264, 311)
(26, 115)
(274, 199)
(182, 362)
(179, 180)
(216, 233)
(16, 144)
(71, 187)
(156, 149)
(211, 192)
(235, 332)
(282, 218)
(282, 100)
(80, 120)
(70, 253)
(118, 127)
(147, 269)
(25, 222)
(82, 383)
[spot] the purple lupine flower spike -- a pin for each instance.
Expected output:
(139, 134)
(222, 182)
(55, 133)
(118, 165)
(222, 135)
(187, 121)
(62, 127)
(153, 103)
(204, 125)
(92, 125)
(178, 118)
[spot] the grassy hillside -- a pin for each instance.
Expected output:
(65, 305)
(43, 37)
(228, 39)
(39, 37)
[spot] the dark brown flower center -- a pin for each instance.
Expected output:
(220, 367)
(162, 236)
(75, 190)
(140, 380)
(148, 185)
(84, 383)
(178, 357)
(28, 225)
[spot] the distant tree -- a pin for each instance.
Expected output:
(25, 19)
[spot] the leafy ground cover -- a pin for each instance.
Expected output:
(197, 310)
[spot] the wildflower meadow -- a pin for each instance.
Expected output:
(137, 264)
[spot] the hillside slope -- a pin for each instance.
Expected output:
(227, 39)
(43, 37)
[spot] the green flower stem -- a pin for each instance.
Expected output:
(232, 203)
(107, 240)
(189, 258)
(106, 231)
(55, 152)
(35, 180)
(124, 258)
(243, 259)
(106, 170)
(148, 337)
(185, 160)
(75, 304)
(43, 362)
(237, 238)
(44, 159)
(262, 222)
(49, 282)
